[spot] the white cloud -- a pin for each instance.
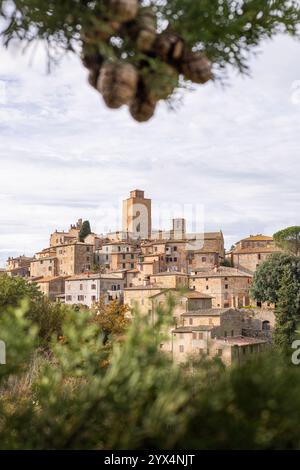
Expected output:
(64, 155)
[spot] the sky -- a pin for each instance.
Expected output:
(229, 154)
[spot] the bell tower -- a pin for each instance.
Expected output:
(137, 215)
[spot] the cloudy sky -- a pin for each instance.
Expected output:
(232, 153)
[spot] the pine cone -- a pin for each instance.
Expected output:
(196, 67)
(93, 78)
(143, 29)
(91, 58)
(122, 10)
(142, 108)
(160, 83)
(99, 31)
(169, 47)
(117, 83)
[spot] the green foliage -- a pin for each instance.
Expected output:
(14, 289)
(286, 312)
(85, 230)
(268, 277)
(288, 239)
(227, 30)
(47, 315)
(142, 400)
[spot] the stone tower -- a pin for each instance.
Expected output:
(137, 215)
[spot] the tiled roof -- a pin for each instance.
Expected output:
(258, 237)
(49, 279)
(221, 271)
(169, 273)
(242, 340)
(256, 249)
(196, 295)
(209, 312)
(191, 329)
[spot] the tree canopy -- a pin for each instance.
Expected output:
(268, 277)
(141, 51)
(288, 239)
(66, 400)
(85, 230)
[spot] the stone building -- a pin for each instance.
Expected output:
(19, 266)
(214, 333)
(117, 255)
(52, 287)
(137, 215)
(86, 289)
(229, 287)
(61, 237)
(250, 252)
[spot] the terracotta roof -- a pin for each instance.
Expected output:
(169, 273)
(191, 329)
(210, 312)
(192, 294)
(49, 279)
(256, 249)
(87, 276)
(258, 237)
(221, 271)
(241, 340)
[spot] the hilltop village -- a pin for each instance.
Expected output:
(214, 313)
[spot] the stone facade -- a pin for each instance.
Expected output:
(229, 287)
(214, 333)
(250, 252)
(19, 266)
(74, 258)
(62, 238)
(52, 287)
(137, 215)
(86, 289)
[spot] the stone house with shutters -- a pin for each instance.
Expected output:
(88, 288)
(250, 252)
(214, 333)
(229, 287)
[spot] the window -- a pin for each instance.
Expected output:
(232, 332)
(194, 335)
(206, 279)
(88, 258)
(203, 259)
(226, 286)
(200, 335)
(181, 348)
(259, 256)
(175, 259)
(190, 321)
(175, 248)
(80, 298)
(118, 287)
(132, 266)
(119, 248)
(207, 287)
(93, 286)
(50, 268)
(87, 248)
(81, 287)
(68, 298)
(220, 352)
(132, 256)
(123, 256)
(123, 265)
(93, 298)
